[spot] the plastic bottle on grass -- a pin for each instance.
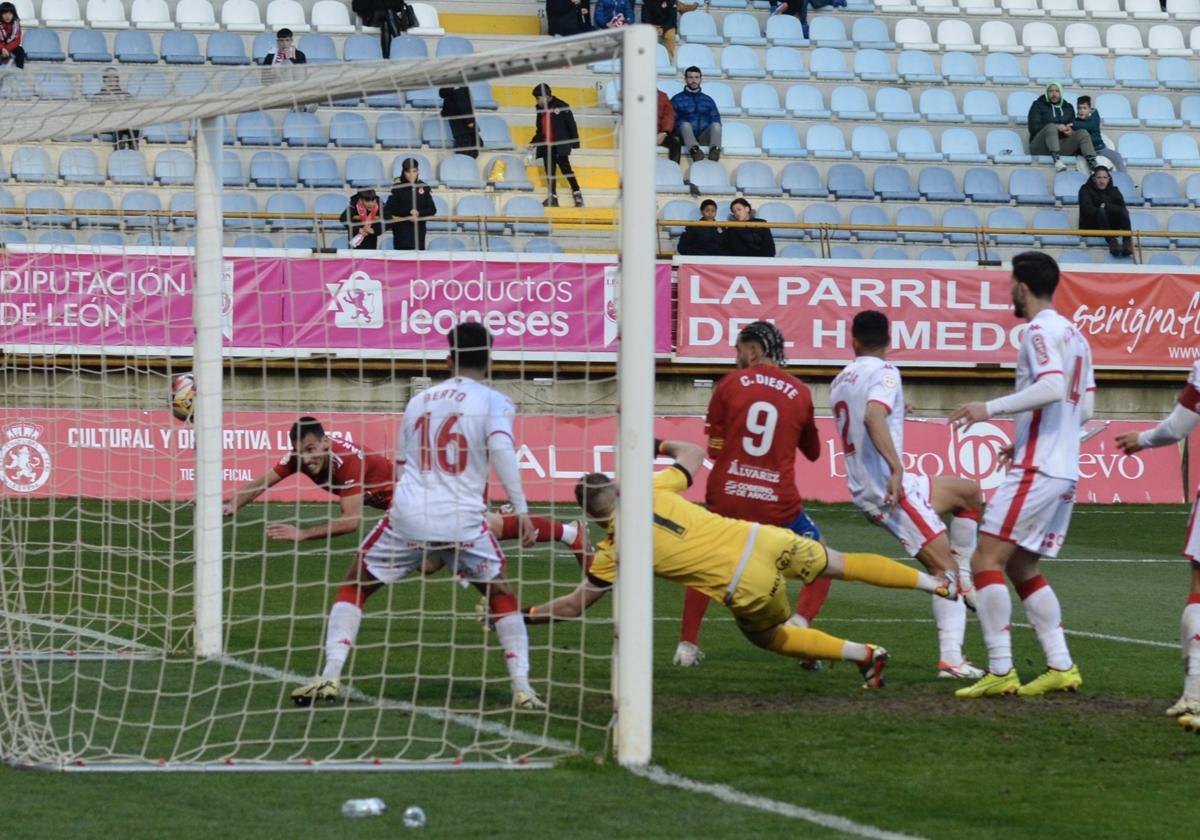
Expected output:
(355, 808)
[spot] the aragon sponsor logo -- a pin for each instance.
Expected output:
(24, 462)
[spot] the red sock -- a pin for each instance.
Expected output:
(812, 598)
(695, 604)
(352, 593)
(970, 513)
(548, 530)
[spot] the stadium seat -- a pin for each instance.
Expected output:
(61, 14)
(937, 255)
(100, 204)
(849, 102)
(263, 43)
(542, 245)
(361, 48)
(1176, 74)
(493, 132)
(271, 169)
(872, 65)
(1125, 39)
(233, 173)
(999, 36)
(182, 203)
(1008, 217)
(802, 180)
(241, 16)
(42, 45)
(961, 145)
(1138, 149)
(1017, 105)
(53, 208)
(722, 94)
(319, 49)
(349, 130)
(742, 28)
(960, 68)
(1185, 223)
(240, 203)
(1004, 69)
(668, 177)
(1134, 72)
(1180, 150)
(848, 181)
(180, 48)
(983, 107)
(106, 238)
(174, 167)
(137, 209)
(756, 178)
(301, 128)
(872, 214)
(1075, 258)
(828, 31)
(826, 141)
(257, 128)
(710, 178)
(784, 31)
(1045, 68)
(226, 48)
(329, 204)
(895, 105)
(938, 105)
(88, 45)
(318, 169)
(979, 7)
(460, 172)
(454, 45)
(57, 237)
(914, 34)
(1124, 183)
(133, 46)
(408, 48)
(1105, 9)
(956, 35)
(762, 100)
(332, 16)
(435, 133)
(796, 251)
(1140, 220)
(823, 214)
(741, 62)
(445, 244)
(737, 138)
(1003, 145)
(786, 63)
(286, 14)
(366, 170)
(697, 55)
(255, 241)
(153, 15)
(894, 183)
(844, 252)
(1083, 38)
(1045, 220)
(1066, 186)
(1088, 71)
(938, 7)
(916, 67)
(678, 209)
(195, 15)
(871, 33)
(962, 217)
(916, 144)
(394, 131)
(1161, 190)
(870, 142)
(983, 185)
(524, 206)
(498, 245)
(829, 65)
(1063, 9)
(808, 103)
(477, 205)
(428, 22)
(936, 183)
(79, 166)
(508, 172)
(1167, 40)
(1040, 37)
(32, 164)
(1156, 111)
(1028, 186)
(777, 213)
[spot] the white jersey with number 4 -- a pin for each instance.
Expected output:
(1047, 439)
(868, 379)
(443, 447)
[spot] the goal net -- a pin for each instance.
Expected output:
(255, 244)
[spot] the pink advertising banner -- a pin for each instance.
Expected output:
(148, 455)
(561, 307)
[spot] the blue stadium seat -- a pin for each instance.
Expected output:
(983, 107)
(1124, 183)
(737, 138)
(319, 169)
(285, 206)
(1017, 105)
(786, 63)
(1162, 190)
(698, 27)
(364, 169)
(264, 43)
(460, 172)
(445, 243)
(32, 164)
(226, 48)
(895, 105)
(1140, 220)
(397, 131)
(42, 45)
(1189, 110)
(872, 214)
(960, 68)
(1133, 72)
(937, 255)
(697, 55)
(255, 241)
(870, 142)
(133, 46)
(331, 204)
(181, 206)
(57, 237)
(240, 203)
(320, 49)
(88, 45)
(802, 180)
(1114, 110)
(806, 102)
(52, 86)
(916, 67)
(106, 238)
(849, 102)
(1028, 186)
(679, 209)
(301, 241)
(829, 65)
(301, 128)
(668, 177)
(233, 173)
(1180, 150)
(1090, 71)
(80, 166)
(776, 212)
(493, 132)
(823, 214)
(172, 132)
(1175, 73)
(542, 245)
(756, 178)
(1156, 111)
(436, 134)
(127, 166)
(742, 28)
(915, 143)
(361, 48)
(1008, 217)
(1166, 259)
(257, 128)
(826, 141)
(937, 183)
(963, 217)
(454, 45)
(872, 65)
(781, 139)
(508, 172)
(1003, 145)
(1045, 220)
(710, 178)
(477, 205)
(136, 207)
(848, 181)
(524, 206)
(1075, 258)
(102, 213)
(829, 31)
(870, 33)
(1004, 69)
(1066, 186)
(983, 185)
(844, 252)
(408, 48)
(174, 167)
(797, 251)
(785, 31)
(1138, 149)
(481, 96)
(938, 105)
(890, 254)
(760, 99)
(1045, 68)
(499, 245)
(349, 130)
(961, 145)
(722, 94)
(1185, 223)
(741, 62)
(271, 169)
(894, 183)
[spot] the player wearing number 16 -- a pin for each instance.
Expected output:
(1027, 518)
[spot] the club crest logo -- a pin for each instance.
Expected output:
(24, 462)
(357, 302)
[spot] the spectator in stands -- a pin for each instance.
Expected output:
(664, 16)
(10, 37)
(110, 88)
(1102, 207)
(391, 16)
(554, 136)
(458, 109)
(754, 241)
(410, 203)
(1088, 119)
(666, 127)
(1051, 129)
(697, 119)
(363, 220)
(568, 17)
(702, 241)
(799, 8)
(285, 51)
(608, 14)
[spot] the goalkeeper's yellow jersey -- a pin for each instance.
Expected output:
(692, 545)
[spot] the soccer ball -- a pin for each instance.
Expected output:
(183, 396)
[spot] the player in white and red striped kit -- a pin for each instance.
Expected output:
(1177, 426)
(1028, 516)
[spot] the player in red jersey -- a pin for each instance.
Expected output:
(757, 418)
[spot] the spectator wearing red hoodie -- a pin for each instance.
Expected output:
(10, 36)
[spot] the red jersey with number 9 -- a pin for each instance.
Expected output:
(758, 417)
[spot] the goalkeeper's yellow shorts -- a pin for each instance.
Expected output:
(760, 600)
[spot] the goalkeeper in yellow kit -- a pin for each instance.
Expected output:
(741, 564)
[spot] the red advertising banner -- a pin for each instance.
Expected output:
(148, 455)
(941, 315)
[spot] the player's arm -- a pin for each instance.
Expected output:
(567, 606)
(502, 454)
(714, 421)
(1175, 427)
(1048, 388)
(687, 455)
(349, 520)
(875, 420)
(809, 443)
(250, 491)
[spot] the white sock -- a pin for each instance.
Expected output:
(510, 630)
(570, 532)
(1045, 614)
(1189, 631)
(798, 620)
(926, 582)
(951, 618)
(994, 608)
(964, 534)
(854, 652)
(344, 619)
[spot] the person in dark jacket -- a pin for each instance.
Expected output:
(702, 241)
(410, 203)
(1088, 119)
(607, 14)
(697, 119)
(1052, 132)
(754, 241)
(458, 109)
(363, 220)
(799, 9)
(664, 16)
(666, 128)
(391, 16)
(11, 35)
(285, 51)
(1102, 207)
(568, 17)
(554, 136)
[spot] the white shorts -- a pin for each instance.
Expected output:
(1030, 510)
(913, 521)
(1191, 543)
(391, 557)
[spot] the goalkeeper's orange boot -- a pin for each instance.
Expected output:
(872, 667)
(322, 688)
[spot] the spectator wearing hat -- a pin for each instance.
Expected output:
(754, 241)
(1051, 123)
(702, 241)
(554, 136)
(363, 220)
(410, 203)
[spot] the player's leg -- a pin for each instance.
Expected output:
(878, 570)
(505, 526)
(1044, 612)
(812, 595)
(1189, 628)
(963, 499)
(950, 617)
(695, 605)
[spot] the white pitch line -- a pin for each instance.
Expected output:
(659, 776)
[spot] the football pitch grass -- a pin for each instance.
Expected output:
(792, 749)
